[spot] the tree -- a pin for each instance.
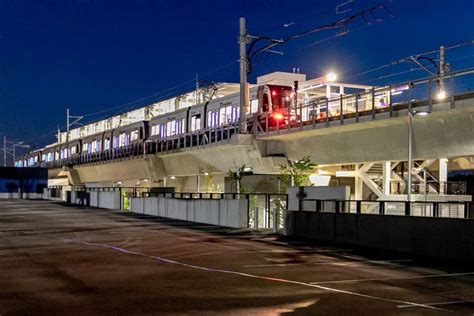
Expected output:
(296, 172)
(237, 177)
(209, 185)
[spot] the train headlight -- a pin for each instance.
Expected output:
(278, 116)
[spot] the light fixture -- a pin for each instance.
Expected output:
(441, 95)
(172, 177)
(420, 113)
(331, 77)
(206, 173)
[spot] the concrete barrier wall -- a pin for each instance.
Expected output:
(105, 199)
(444, 238)
(229, 213)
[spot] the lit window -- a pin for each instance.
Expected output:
(134, 135)
(107, 144)
(196, 122)
(94, 146)
(121, 140)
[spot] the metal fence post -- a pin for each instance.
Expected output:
(357, 107)
(255, 218)
(407, 208)
(275, 220)
(382, 208)
(358, 207)
(341, 110)
(435, 209)
(373, 103)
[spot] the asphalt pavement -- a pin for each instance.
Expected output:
(63, 260)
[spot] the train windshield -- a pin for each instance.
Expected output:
(282, 97)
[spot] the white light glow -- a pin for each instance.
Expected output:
(319, 180)
(172, 177)
(441, 95)
(331, 77)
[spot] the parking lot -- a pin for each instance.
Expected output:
(58, 260)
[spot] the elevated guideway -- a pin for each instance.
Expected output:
(364, 135)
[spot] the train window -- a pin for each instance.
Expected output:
(73, 150)
(162, 130)
(107, 144)
(222, 119)
(265, 103)
(228, 114)
(121, 140)
(196, 122)
(209, 118)
(134, 135)
(94, 146)
(236, 111)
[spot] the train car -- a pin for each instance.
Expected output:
(170, 124)
(33, 159)
(74, 148)
(92, 144)
(129, 135)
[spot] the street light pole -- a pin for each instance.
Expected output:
(410, 167)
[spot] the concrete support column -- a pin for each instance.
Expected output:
(386, 172)
(358, 185)
(443, 175)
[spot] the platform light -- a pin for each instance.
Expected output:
(441, 95)
(172, 177)
(206, 173)
(331, 77)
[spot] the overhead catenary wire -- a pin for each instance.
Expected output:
(405, 59)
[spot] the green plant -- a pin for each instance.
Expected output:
(208, 176)
(295, 172)
(126, 201)
(237, 177)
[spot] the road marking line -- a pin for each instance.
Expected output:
(329, 263)
(399, 278)
(439, 303)
(254, 276)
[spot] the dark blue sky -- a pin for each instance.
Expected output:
(92, 55)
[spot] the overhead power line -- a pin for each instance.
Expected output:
(366, 16)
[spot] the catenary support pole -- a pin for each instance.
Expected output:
(243, 77)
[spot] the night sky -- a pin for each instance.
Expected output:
(95, 55)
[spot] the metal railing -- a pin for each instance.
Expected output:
(194, 140)
(445, 209)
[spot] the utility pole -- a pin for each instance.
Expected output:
(243, 39)
(197, 99)
(67, 125)
(441, 68)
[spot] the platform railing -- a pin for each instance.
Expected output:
(368, 105)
